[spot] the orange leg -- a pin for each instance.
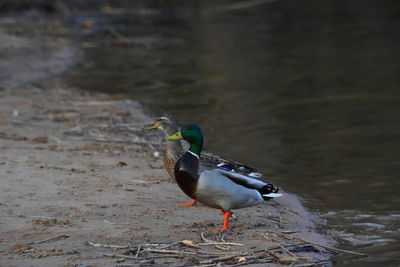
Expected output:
(191, 203)
(225, 226)
(227, 215)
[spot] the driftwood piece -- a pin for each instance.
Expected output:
(318, 245)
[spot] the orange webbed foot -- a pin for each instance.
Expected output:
(188, 204)
(225, 226)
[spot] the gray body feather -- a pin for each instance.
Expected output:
(216, 190)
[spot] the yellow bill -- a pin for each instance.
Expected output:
(174, 137)
(155, 126)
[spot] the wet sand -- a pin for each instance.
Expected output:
(78, 170)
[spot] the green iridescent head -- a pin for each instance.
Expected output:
(192, 134)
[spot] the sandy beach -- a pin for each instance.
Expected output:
(82, 183)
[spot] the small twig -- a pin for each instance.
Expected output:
(126, 257)
(119, 256)
(205, 239)
(191, 265)
(273, 254)
(254, 259)
(222, 247)
(170, 245)
(108, 222)
(281, 220)
(167, 251)
(50, 239)
(137, 252)
(278, 220)
(332, 248)
(107, 246)
(222, 238)
(278, 247)
(223, 258)
(287, 251)
(289, 231)
(220, 243)
(295, 212)
(311, 264)
(43, 217)
(318, 245)
(157, 244)
(287, 260)
(243, 263)
(181, 252)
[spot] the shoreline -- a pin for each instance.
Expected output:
(78, 167)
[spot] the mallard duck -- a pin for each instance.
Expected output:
(174, 150)
(216, 188)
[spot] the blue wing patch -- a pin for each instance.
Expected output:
(226, 167)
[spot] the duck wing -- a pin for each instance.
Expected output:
(210, 161)
(266, 189)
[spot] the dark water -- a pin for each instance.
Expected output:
(306, 91)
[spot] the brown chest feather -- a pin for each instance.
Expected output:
(169, 165)
(186, 174)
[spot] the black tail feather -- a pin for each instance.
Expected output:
(267, 189)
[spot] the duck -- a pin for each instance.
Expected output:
(216, 188)
(174, 150)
